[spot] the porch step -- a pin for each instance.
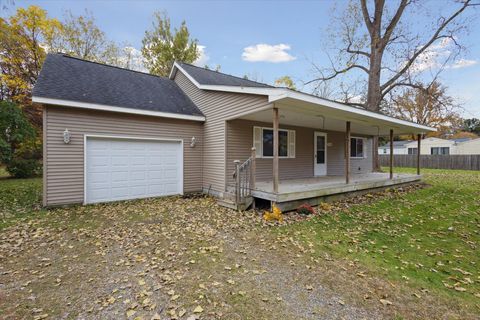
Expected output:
(232, 205)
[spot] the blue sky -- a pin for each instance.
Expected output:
(226, 28)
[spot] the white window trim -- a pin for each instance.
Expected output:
(363, 147)
(260, 154)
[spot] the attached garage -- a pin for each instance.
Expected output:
(123, 168)
(115, 134)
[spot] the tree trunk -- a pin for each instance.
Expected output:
(374, 94)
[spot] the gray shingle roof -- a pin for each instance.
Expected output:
(68, 78)
(209, 77)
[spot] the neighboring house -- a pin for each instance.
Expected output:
(470, 146)
(115, 134)
(434, 146)
(399, 147)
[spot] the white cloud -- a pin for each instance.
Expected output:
(267, 53)
(437, 54)
(463, 63)
(202, 58)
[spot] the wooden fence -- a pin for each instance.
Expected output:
(453, 161)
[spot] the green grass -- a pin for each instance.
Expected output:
(19, 199)
(427, 239)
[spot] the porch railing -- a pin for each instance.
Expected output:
(244, 176)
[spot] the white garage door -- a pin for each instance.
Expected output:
(121, 169)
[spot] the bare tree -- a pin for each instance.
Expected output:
(377, 44)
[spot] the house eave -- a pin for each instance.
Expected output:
(102, 107)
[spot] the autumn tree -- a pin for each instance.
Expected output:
(82, 38)
(162, 45)
(23, 38)
(428, 105)
(286, 81)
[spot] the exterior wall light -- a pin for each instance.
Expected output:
(66, 136)
(193, 143)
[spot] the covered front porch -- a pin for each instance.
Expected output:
(300, 148)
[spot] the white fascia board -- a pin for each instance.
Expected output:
(276, 94)
(93, 106)
(346, 108)
(234, 89)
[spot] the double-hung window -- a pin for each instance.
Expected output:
(440, 150)
(412, 150)
(263, 142)
(357, 147)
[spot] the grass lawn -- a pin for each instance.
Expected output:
(19, 198)
(427, 240)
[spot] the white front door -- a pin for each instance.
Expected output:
(320, 157)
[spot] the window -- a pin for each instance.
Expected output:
(263, 142)
(356, 147)
(384, 151)
(440, 150)
(412, 150)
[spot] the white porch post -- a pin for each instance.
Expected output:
(347, 153)
(419, 139)
(275, 150)
(391, 154)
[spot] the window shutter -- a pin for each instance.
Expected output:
(257, 141)
(291, 143)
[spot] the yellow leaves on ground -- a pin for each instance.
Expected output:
(274, 215)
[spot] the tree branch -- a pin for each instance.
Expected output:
(338, 72)
(366, 16)
(394, 22)
(436, 36)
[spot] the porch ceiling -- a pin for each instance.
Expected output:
(313, 115)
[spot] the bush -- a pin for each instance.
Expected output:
(305, 209)
(25, 162)
(24, 168)
(20, 148)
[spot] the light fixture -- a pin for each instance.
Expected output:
(193, 143)
(66, 136)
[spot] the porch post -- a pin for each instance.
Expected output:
(275, 150)
(253, 170)
(391, 153)
(347, 153)
(419, 139)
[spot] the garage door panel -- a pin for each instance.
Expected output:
(120, 169)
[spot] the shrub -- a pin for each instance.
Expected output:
(25, 162)
(20, 150)
(305, 209)
(24, 168)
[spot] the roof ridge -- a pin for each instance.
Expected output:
(226, 74)
(106, 65)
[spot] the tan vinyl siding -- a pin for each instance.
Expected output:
(63, 163)
(240, 141)
(217, 107)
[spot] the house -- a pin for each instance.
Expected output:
(468, 146)
(399, 147)
(434, 146)
(115, 134)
